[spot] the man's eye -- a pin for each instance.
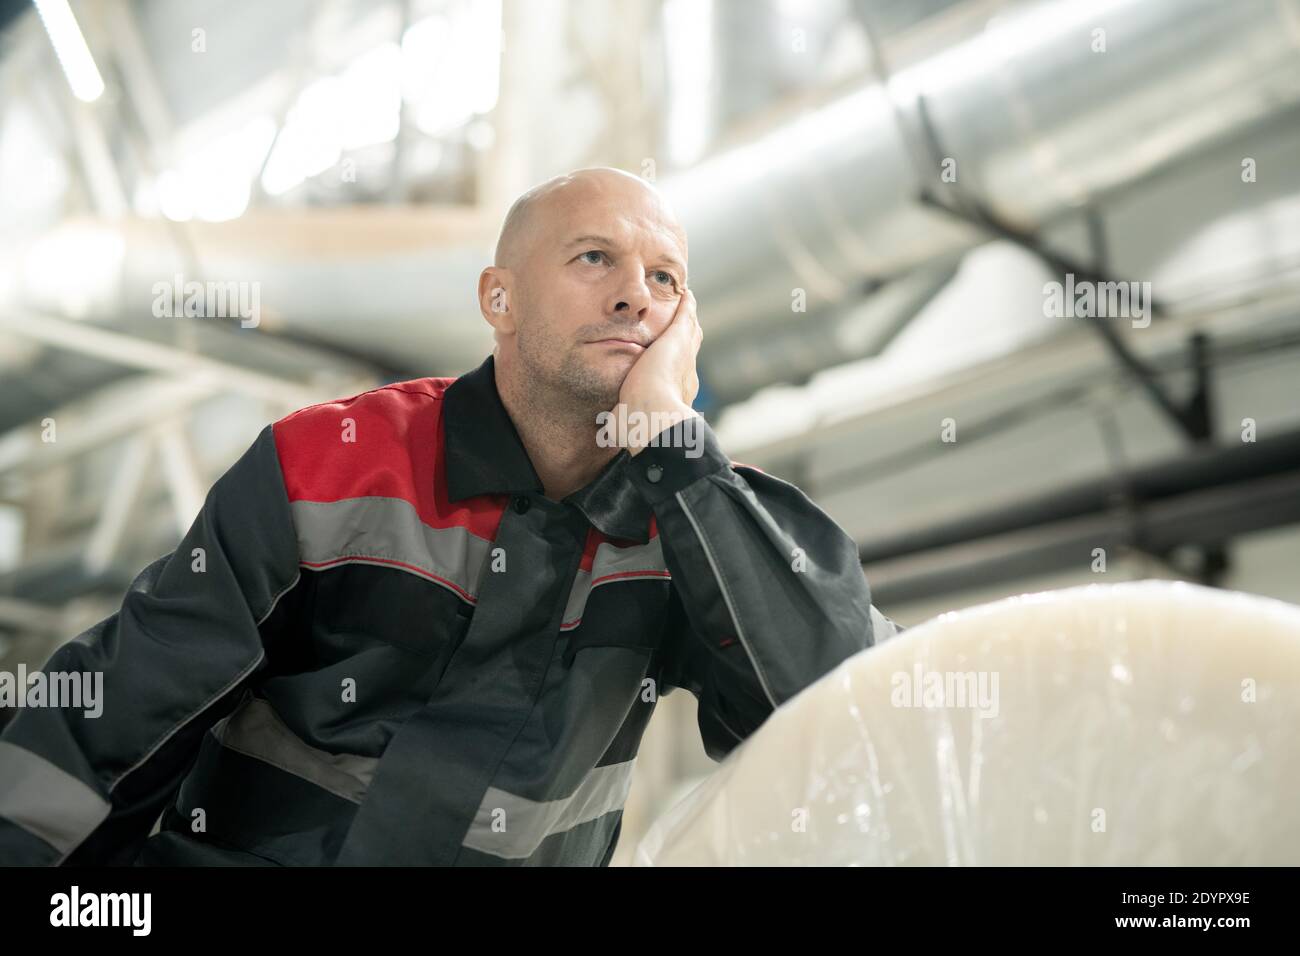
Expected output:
(666, 275)
(594, 252)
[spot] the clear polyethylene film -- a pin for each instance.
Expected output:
(1147, 723)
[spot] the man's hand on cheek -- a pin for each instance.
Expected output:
(663, 382)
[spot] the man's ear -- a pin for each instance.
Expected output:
(494, 299)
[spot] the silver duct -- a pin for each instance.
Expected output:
(1036, 117)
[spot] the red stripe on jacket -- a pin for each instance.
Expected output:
(386, 442)
(395, 451)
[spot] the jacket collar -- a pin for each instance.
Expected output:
(484, 456)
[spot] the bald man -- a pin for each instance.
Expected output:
(589, 308)
(428, 624)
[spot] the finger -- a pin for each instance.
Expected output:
(683, 319)
(695, 320)
(683, 306)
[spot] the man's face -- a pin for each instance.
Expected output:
(601, 282)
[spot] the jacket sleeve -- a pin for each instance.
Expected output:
(768, 593)
(78, 786)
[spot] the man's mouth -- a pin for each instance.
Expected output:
(632, 343)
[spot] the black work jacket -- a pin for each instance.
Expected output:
(380, 642)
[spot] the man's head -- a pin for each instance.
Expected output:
(583, 260)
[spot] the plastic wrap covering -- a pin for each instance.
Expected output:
(1148, 723)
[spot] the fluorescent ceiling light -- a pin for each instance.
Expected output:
(70, 47)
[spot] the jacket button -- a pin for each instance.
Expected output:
(522, 503)
(654, 473)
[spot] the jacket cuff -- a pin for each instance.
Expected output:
(677, 457)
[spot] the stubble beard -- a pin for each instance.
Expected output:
(576, 390)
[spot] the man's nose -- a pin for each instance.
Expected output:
(632, 294)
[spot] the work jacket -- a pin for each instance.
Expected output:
(380, 643)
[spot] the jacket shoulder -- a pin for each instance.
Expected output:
(324, 448)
